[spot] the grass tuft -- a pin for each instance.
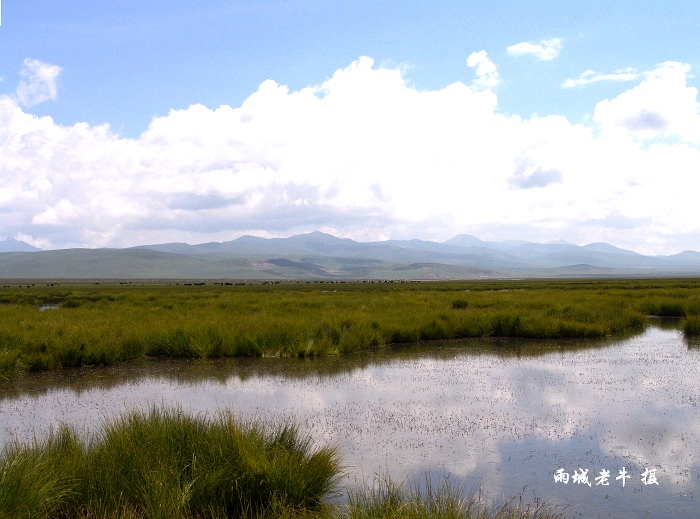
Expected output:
(166, 464)
(386, 500)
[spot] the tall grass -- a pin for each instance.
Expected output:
(386, 500)
(166, 464)
(106, 324)
(692, 325)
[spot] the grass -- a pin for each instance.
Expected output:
(386, 500)
(691, 326)
(105, 324)
(166, 464)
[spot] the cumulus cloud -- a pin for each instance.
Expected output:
(662, 104)
(545, 50)
(37, 83)
(591, 76)
(486, 72)
(367, 156)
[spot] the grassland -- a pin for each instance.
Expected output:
(48, 327)
(164, 464)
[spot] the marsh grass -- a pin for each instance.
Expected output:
(692, 325)
(166, 464)
(101, 325)
(387, 500)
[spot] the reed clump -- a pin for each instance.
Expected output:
(101, 325)
(167, 464)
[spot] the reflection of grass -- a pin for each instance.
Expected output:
(105, 324)
(166, 464)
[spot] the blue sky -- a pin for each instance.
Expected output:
(127, 61)
(128, 64)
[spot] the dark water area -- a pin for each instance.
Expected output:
(502, 416)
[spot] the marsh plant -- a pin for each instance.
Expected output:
(385, 499)
(101, 325)
(167, 464)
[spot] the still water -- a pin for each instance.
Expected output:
(501, 415)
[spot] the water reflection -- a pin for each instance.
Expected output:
(188, 371)
(506, 414)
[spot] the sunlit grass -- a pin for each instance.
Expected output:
(105, 324)
(166, 464)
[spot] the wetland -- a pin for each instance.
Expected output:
(497, 414)
(500, 415)
(52, 327)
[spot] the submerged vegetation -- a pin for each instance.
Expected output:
(166, 464)
(47, 327)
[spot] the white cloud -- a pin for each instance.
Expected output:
(55, 215)
(546, 50)
(364, 155)
(37, 83)
(486, 72)
(661, 105)
(591, 76)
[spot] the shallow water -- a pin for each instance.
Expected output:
(505, 415)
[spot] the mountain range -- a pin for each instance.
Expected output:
(12, 245)
(318, 255)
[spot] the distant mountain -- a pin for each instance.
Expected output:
(318, 255)
(687, 257)
(607, 248)
(147, 264)
(465, 240)
(12, 245)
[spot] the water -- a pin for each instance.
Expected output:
(500, 415)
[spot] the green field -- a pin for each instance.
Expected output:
(47, 327)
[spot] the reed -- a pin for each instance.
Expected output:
(101, 325)
(166, 464)
(692, 325)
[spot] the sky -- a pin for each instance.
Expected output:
(125, 123)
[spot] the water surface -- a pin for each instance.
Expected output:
(504, 415)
